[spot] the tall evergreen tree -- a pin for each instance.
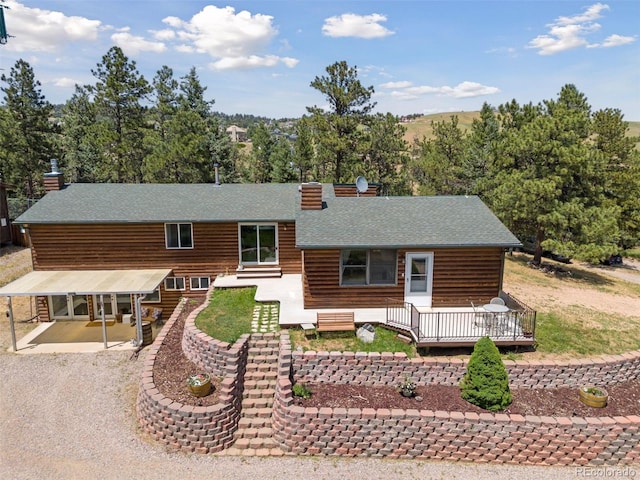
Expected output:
(548, 184)
(386, 157)
(621, 171)
(439, 165)
(482, 150)
(303, 151)
(82, 153)
(27, 136)
(261, 170)
(338, 132)
(118, 94)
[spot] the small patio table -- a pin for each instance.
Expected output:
(497, 311)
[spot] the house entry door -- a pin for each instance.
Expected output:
(418, 278)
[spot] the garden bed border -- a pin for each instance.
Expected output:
(464, 436)
(187, 427)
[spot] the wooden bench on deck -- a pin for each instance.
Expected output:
(335, 322)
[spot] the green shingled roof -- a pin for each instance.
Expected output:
(395, 222)
(391, 222)
(152, 203)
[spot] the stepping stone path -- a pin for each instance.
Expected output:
(265, 318)
(254, 436)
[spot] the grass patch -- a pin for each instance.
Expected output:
(592, 333)
(385, 341)
(228, 315)
(633, 253)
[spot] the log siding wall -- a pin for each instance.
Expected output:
(460, 275)
(131, 246)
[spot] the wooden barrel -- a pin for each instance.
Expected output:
(147, 333)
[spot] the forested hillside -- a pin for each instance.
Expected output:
(556, 173)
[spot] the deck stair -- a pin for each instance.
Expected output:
(259, 272)
(255, 435)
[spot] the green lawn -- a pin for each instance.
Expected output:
(228, 315)
(385, 341)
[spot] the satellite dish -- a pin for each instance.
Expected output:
(362, 185)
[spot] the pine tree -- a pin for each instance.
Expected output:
(338, 132)
(26, 135)
(118, 94)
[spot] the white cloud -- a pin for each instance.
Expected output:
(405, 90)
(395, 84)
(39, 30)
(133, 44)
(592, 13)
(164, 34)
(252, 61)
(568, 33)
(65, 82)
(360, 26)
(615, 41)
(234, 40)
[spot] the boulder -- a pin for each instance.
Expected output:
(366, 333)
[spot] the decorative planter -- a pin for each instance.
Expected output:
(593, 396)
(199, 385)
(407, 392)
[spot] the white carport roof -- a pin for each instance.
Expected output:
(85, 282)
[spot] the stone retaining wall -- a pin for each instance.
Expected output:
(387, 368)
(187, 427)
(426, 434)
(211, 355)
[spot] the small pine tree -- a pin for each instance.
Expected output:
(486, 383)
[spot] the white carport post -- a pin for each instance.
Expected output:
(138, 299)
(104, 323)
(12, 326)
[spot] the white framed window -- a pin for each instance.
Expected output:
(174, 283)
(152, 297)
(368, 267)
(178, 235)
(199, 283)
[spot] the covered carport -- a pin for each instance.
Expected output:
(98, 283)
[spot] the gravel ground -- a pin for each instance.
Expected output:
(68, 416)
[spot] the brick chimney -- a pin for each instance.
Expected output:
(311, 196)
(54, 180)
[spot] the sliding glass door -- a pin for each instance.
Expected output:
(258, 244)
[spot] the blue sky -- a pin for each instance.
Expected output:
(259, 57)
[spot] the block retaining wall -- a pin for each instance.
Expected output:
(386, 368)
(187, 427)
(426, 434)
(211, 355)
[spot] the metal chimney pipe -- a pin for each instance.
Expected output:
(216, 165)
(54, 165)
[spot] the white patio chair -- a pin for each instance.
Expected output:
(497, 301)
(480, 316)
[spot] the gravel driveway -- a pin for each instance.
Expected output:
(67, 416)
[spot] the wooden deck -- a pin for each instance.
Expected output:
(463, 326)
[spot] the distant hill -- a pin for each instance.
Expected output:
(420, 127)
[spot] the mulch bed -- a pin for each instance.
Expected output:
(172, 367)
(624, 399)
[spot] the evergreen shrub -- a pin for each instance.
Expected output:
(486, 382)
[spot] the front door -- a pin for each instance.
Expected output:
(418, 278)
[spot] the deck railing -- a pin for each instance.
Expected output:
(465, 326)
